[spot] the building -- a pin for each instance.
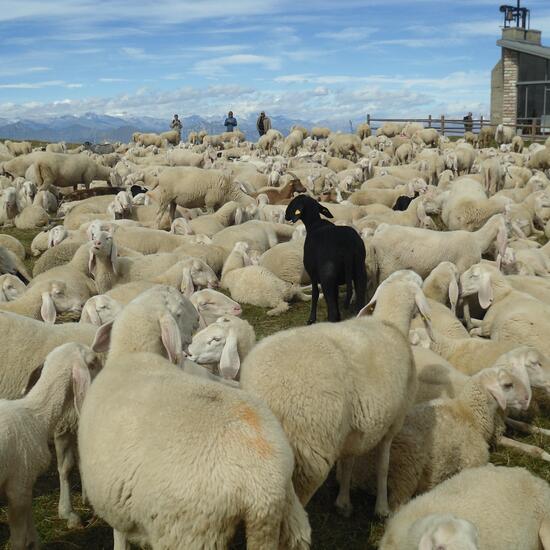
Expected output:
(520, 81)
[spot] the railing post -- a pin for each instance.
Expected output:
(442, 125)
(429, 121)
(481, 122)
(534, 127)
(368, 119)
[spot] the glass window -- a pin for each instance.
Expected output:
(531, 68)
(535, 101)
(522, 96)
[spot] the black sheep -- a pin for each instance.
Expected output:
(402, 202)
(137, 189)
(333, 255)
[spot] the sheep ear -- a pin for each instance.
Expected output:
(485, 293)
(81, 382)
(33, 379)
(424, 309)
(229, 361)
(102, 338)
(91, 262)
(369, 308)
(92, 315)
(325, 211)
(47, 311)
(238, 216)
(453, 294)
(425, 542)
(495, 389)
(114, 257)
(187, 287)
(171, 338)
(502, 239)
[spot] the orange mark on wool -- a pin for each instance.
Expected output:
(257, 441)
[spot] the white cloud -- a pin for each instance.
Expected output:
(217, 66)
(38, 85)
(348, 34)
(107, 79)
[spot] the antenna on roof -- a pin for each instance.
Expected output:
(521, 16)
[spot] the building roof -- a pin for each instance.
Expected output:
(525, 47)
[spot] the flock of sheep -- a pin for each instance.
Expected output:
(183, 427)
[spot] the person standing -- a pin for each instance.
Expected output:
(263, 124)
(468, 123)
(176, 124)
(230, 122)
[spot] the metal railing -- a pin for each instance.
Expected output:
(531, 128)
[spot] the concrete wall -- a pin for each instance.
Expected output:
(510, 61)
(497, 90)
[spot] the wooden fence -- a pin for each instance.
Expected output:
(531, 129)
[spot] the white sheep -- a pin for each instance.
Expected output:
(175, 501)
(45, 300)
(256, 285)
(11, 287)
(354, 403)
(422, 249)
(444, 436)
(512, 316)
(456, 515)
(99, 310)
(28, 424)
(223, 345)
(211, 304)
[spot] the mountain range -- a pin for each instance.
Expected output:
(98, 128)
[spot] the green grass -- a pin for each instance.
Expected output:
(330, 532)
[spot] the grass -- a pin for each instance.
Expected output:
(330, 531)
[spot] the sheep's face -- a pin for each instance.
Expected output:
(102, 244)
(57, 235)
(9, 197)
(212, 304)
(477, 280)
(445, 532)
(11, 288)
(100, 310)
(207, 345)
(62, 299)
(203, 276)
(509, 386)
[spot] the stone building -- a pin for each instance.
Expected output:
(520, 81)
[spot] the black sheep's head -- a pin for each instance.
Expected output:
(305, 208)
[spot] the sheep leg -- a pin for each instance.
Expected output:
(263, 532)
(331, 298)
(64, 450)
(22, 529)
(530, 450)
(382, 507)
(544, 533)
(526, 428)
(343, 500)
(314, 299)
(119, 541)
(280, 308)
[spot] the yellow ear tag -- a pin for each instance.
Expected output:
(297, 212)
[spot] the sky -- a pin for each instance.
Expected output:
(309, 59)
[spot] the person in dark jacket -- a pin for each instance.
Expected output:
(230, 122)
(263, 124)
(468, 123)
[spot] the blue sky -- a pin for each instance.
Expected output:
(317, 60)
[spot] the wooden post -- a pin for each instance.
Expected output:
(442, 125)
(481, 122)
(429, 121)
(534, 127)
